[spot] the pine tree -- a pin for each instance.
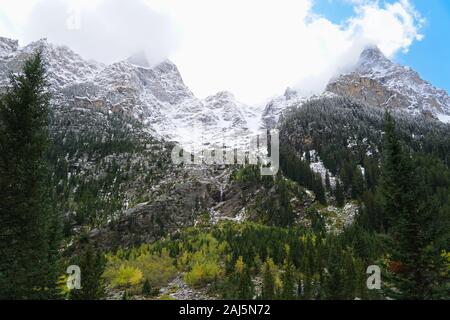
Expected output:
(396, 187)
(318, 189)
(268, 291)
(288, 280)
(357, 183)
(243, 283)
(92, 265)
(147, 288)
(339, 194)
(411, 211)
(284, 214)
(29, 224)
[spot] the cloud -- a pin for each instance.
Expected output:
(253, 48)
(256, 48)
(391, 27)
(104, 30)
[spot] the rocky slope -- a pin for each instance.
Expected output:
(379, 82)
(156, 96)
(113, 124)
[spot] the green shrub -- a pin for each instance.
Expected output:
(125, 276)
(203, 273)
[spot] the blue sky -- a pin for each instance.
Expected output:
(431, 56)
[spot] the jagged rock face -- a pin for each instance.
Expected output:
(65, 66)
(7, 47)
(87, 95)
(156, 106)
(157, 96)
(379, 82)
(168, 212)
(278, 105)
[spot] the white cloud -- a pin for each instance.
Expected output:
(256, 48)
(392, 28)
(104, 30)
(253, 48)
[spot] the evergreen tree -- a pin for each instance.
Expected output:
(284, 214)
(288, 280)
(92, 265)
(339, 194)
(147, 289)
(357, 183)
(29, 225)
(269, 291)
(396, 188)
(318, 189)
(411, 211)
(242, 281)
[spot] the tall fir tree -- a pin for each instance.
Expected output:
(92, 265)
(339, 194)
(416, 266)
(288, 279)
(269, 289)
(357, 183)
(243, 285)
(29, 225)
(396, 187)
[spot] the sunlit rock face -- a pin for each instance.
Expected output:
(379, 82)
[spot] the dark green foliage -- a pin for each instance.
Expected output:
(299, 171)
(288, 278)
(97, 159)
(240, 285)
(273, 207)
(92, 265)
(147, 289)
(339, 195)
(404, 192)
(278, 210)
(416, 221)
(357, 184)
(398, 183)
(291, 256)
(29, 223)
(268, 290)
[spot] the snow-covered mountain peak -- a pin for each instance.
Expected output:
(224, 95)
(7, 46)
(380, 82)
(159, 98)
(290, 93)
(65, 67)
(222, 99)
(276, 106)
(139, 59)
(373, 63)
(372, 54)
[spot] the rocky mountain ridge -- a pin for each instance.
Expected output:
(158, 97)
(378, 82)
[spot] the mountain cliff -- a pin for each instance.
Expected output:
(378, 82)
